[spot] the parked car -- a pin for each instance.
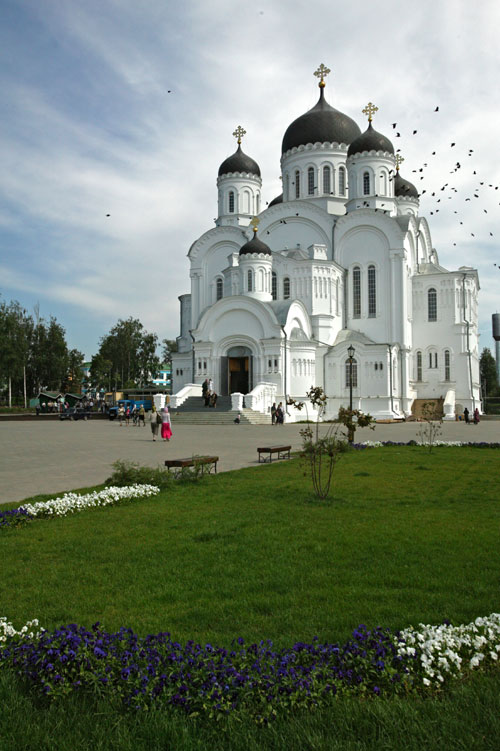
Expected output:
(75, 413)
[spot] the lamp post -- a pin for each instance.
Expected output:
(350, 352)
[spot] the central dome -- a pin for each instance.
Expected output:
(321, 124)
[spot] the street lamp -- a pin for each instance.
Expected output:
(350, 352)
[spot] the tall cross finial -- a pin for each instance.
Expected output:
(370, 110)
(321, 73)
(239, 133)
(399, 159)
(255, 223)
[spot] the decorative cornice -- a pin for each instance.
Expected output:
(245, 175)
(317, 146)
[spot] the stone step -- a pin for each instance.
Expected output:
(214, 417)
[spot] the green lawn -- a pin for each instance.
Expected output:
(406, 537)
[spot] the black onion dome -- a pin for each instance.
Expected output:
(278, 199)
(370, 140)
(321, 124)
(255, 246)
(239, 162)
(404, 188)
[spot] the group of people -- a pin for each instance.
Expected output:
(208, 393)
(475, 418)
(277, 414)
(138, 415)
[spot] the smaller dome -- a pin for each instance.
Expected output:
(278, 199)
(404, 188)
(239, 162)
(255, 246)
(370, 140)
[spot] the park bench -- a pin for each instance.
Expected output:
(206, 463)
(282, 451)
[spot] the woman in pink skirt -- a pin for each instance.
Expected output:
(166, 428)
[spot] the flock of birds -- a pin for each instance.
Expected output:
(447, 192)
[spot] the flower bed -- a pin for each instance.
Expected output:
(70, 503)
(378, 444)
(257, 679)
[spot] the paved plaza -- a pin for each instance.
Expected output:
(52, 457)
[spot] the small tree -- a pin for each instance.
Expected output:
(321, 453)
(352, 419)
(432, 424)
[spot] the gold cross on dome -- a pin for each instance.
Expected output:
(370, 110)
(255, 223)
(399, 159)
(321, 73)
(239, 133)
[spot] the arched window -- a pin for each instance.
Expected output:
(297, 184)
(219, 289)
(274, 286)
(366, 183)
(432, 304)
(327, 185)
(286, 288)
(372, 293)
(447, 369)
(356, 292)
(419, 366)
(231, 202)
(287, 188)
(348, 374)
(341, 181)
(250, 280)
(310, 181)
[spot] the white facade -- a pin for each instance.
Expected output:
(349, 261)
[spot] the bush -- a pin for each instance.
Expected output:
(130, 473)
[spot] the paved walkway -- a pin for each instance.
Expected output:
(59, 456)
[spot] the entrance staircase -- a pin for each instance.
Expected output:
(194, 412)
(417, 408)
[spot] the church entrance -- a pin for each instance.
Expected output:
(238, 375)
(236, 371)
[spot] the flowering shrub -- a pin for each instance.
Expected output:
(69, 503)
(446, 651)
(377, 444)
(257, 678)
(8, 632)
(15, 517)
(205, 679)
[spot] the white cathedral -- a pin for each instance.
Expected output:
(335, 283)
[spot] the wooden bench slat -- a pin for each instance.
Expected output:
(191, 461)
(273, 450)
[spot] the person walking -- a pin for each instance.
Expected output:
(121, 414)
(142, 416)
(127, 416)
(476, 416)
(279, 414)
(273, 414)
(166, 426)
(155, 419)
(213, 399)
(466, 416)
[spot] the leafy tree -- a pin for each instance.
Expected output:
(168, 348)
(48, 356)
(131, 352)
(15, 334)
(488, 370)
(74, 375)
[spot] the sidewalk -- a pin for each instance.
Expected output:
(53, 457)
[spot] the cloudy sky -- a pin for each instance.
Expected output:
(126, 108)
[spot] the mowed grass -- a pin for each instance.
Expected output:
(407, 536)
